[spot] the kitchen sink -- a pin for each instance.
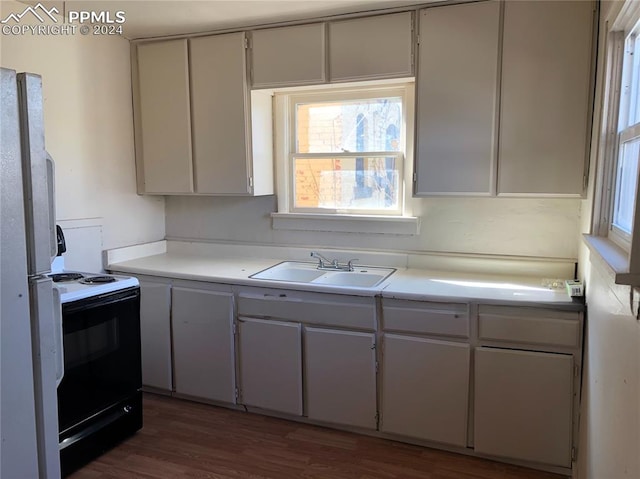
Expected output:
(302, 272)
(289, 273)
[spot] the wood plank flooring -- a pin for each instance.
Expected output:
(182, 439)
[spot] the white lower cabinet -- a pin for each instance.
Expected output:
(523, 405)
(340, 377)
(425, 388)
(203, 345)
(155, 334)
(501, 381)
(270, 369)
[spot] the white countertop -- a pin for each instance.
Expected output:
(405, 283)
(416, 284)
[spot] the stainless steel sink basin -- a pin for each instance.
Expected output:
(301, 272)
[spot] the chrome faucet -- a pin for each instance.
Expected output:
(327, 264)
(323, 262)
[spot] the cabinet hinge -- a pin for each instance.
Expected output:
(234, 329)
(576, 371)
(585, 181)
(573, 454)
(251, 182)
(237, 393)
(246, 42)
(415, 176)
(377, 366)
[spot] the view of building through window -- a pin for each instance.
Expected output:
(344, 154)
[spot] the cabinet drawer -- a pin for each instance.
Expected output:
(332, 310)
(440, 319)
(533, 326)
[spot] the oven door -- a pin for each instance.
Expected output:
(101, 337)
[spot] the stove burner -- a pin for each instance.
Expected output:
(98, 280)
(64, 277)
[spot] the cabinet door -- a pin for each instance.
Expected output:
(425, 389)
(372, 47)
(456, 99)
(271, 365)
(545, 99)
(163, 117)
(273, 49)
(523, 405)
(203, 353)
(219, 99)
(340, 377)
(155, 334)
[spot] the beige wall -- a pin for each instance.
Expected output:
(88, 130)
(521, 227)
(609, 446)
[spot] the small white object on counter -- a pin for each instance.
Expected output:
(574, 288)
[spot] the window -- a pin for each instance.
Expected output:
(625, 176)
(615, 234)
(342, 150)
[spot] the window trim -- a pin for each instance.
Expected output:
(360, 222)
(622, 257)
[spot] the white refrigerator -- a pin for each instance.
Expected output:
(31, 356)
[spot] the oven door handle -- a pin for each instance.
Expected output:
(92, 429)
(59, 335)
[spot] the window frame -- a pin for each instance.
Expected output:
(626, 76)
(285, 144)
(621, 252)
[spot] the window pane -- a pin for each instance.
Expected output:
(627, 176)
(632, 62)
(349, 126)
(346, 183)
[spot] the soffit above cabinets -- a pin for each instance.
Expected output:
(157, 18)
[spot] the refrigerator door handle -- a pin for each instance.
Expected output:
(51, 190)
(59, 335)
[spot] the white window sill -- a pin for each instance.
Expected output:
(614, 257)
(391, 225)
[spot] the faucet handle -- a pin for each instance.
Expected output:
(350, 263)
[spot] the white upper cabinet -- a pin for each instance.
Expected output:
(198, 128)
(163, 118)
(288, 56)
(544, 118)
(371, 47)
(220, 109)
(456, 99)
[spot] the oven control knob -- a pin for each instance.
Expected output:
(127, 409)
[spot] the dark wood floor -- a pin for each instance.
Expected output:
(182, 439)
